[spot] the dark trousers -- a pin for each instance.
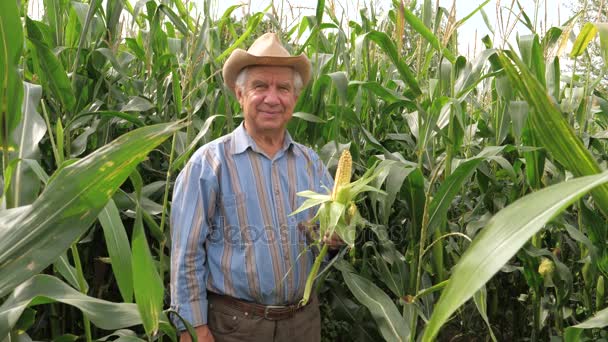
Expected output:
(228, 324)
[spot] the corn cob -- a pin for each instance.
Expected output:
(352, 211)
(546, 267)
(343, 172)
(600, 293)
(345, 165)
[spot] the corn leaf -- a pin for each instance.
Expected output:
(146, 282)
(183, 13)
(52, 74)
(43, 289)
(68, 272)
(388, 47)
(480, 299)
(319, 11)
(385, 94)
(551, 128)
(193, 144)
(117, 243)
(11, 86)
(424, 31)
(452, 185)
(252, 25)
(501, 239)
(584, 38)
(599, 320)
(27, 135)
(390, 322)
(175, 19)
(308, 117)
(603, 30)
(70, 204)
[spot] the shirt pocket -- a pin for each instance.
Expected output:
(234, 217)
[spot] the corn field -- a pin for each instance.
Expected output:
(491, 217)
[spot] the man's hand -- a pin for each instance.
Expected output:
(202, 333)
(333, 241)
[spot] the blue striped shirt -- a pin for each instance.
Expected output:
(231, 233)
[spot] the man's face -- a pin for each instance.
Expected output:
(267, 99)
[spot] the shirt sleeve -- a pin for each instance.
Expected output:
(193, 200)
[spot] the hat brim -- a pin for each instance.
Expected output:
(240, 59)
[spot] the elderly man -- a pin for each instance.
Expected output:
(239, 262)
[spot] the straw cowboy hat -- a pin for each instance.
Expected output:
(266, 50)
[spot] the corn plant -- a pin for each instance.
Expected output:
(475, 177)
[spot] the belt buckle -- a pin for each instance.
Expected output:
(267, 308)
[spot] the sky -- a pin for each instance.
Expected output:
(552, 12)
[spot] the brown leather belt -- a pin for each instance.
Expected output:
(269, 312)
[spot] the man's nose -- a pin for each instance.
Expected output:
(272, 96)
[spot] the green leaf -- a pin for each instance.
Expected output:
(201, 134)
(584, 38)
(68, 272)
(452, 186)
(11, 86)
(424, 31)
(181, 9)
(252, 25)
(603, 30)
(340, 81)
(390, 322)
(518, 110)
(146, 282)
(175, 19)
(319, 12)
(394, 174)
(52, 74)
(60, 138)
(117, 243)
(311, 202)
(157, 37)
(111, 114)
(551, 128)
(308, 117)
(389, 48)
(70, 204)
(501, 239)
(334, 213)
(42, 289)
(137, 104)
(385, 94)
(27, 135)
(599, 320)
(480, 299)
(109, 54)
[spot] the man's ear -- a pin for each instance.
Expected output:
(239, 93)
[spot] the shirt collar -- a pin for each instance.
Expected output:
(241, 140)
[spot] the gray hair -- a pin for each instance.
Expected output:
(241, 78)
